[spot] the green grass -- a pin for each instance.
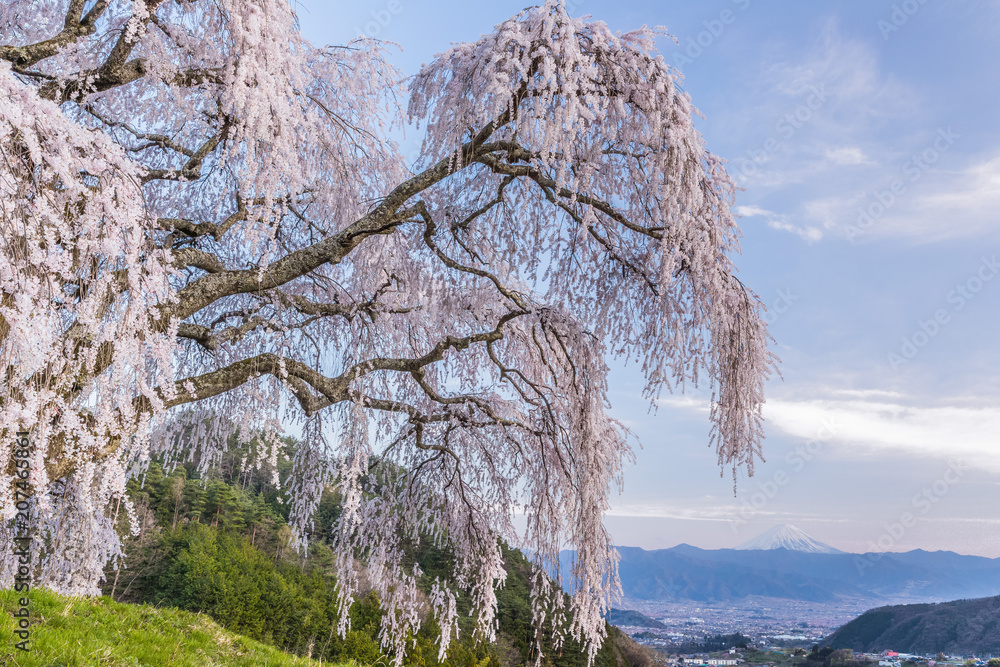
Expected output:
(78, 632)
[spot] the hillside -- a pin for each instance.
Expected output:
(90, 631)
(216, 545)
(630, 618)
(959, 627)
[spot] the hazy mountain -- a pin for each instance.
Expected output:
(960, 627)
(786, 536)
(689, 573)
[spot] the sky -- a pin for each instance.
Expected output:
(864, 135)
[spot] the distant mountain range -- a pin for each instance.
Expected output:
(961, 627)
(810, 571)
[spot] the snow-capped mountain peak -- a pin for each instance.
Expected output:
(786, 536)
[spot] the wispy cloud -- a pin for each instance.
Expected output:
(847, 155)
(810, 234)
(867, 393)
(953, 205)
(969, 434)
(775, 221)
(753, 211)
(825, 181)
(663, 510)
(873, 421)
(720, 513)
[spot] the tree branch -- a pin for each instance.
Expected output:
(74, 27)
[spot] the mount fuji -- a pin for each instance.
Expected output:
(786, 563)
(787, 536)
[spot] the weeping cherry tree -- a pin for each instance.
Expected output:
(207, 230)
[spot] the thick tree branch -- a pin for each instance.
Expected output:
(331, 390)
(116, 70)
(74, 27)
(216, 231)
(386, 216)
(199, 259)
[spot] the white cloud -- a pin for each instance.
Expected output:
(964, 204)
(673, 511)
(810, 234)
(752, 211)
(929, 204)
(966, 434)
(859, 91)
(775, 221)
(832, 161)
(847, 156)
(719, 513)
(870, 421)
(686, 403)
(868, 393)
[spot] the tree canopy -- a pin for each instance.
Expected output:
(207, 229)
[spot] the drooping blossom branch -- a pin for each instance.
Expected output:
(203, 215)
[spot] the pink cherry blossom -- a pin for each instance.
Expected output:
(207, 230)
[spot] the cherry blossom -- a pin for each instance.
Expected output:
(207, 230)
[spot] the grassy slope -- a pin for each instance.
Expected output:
(71, 632)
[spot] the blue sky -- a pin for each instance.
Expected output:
(865, 136)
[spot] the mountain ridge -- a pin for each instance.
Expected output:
(687, 573)
(955, 627)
